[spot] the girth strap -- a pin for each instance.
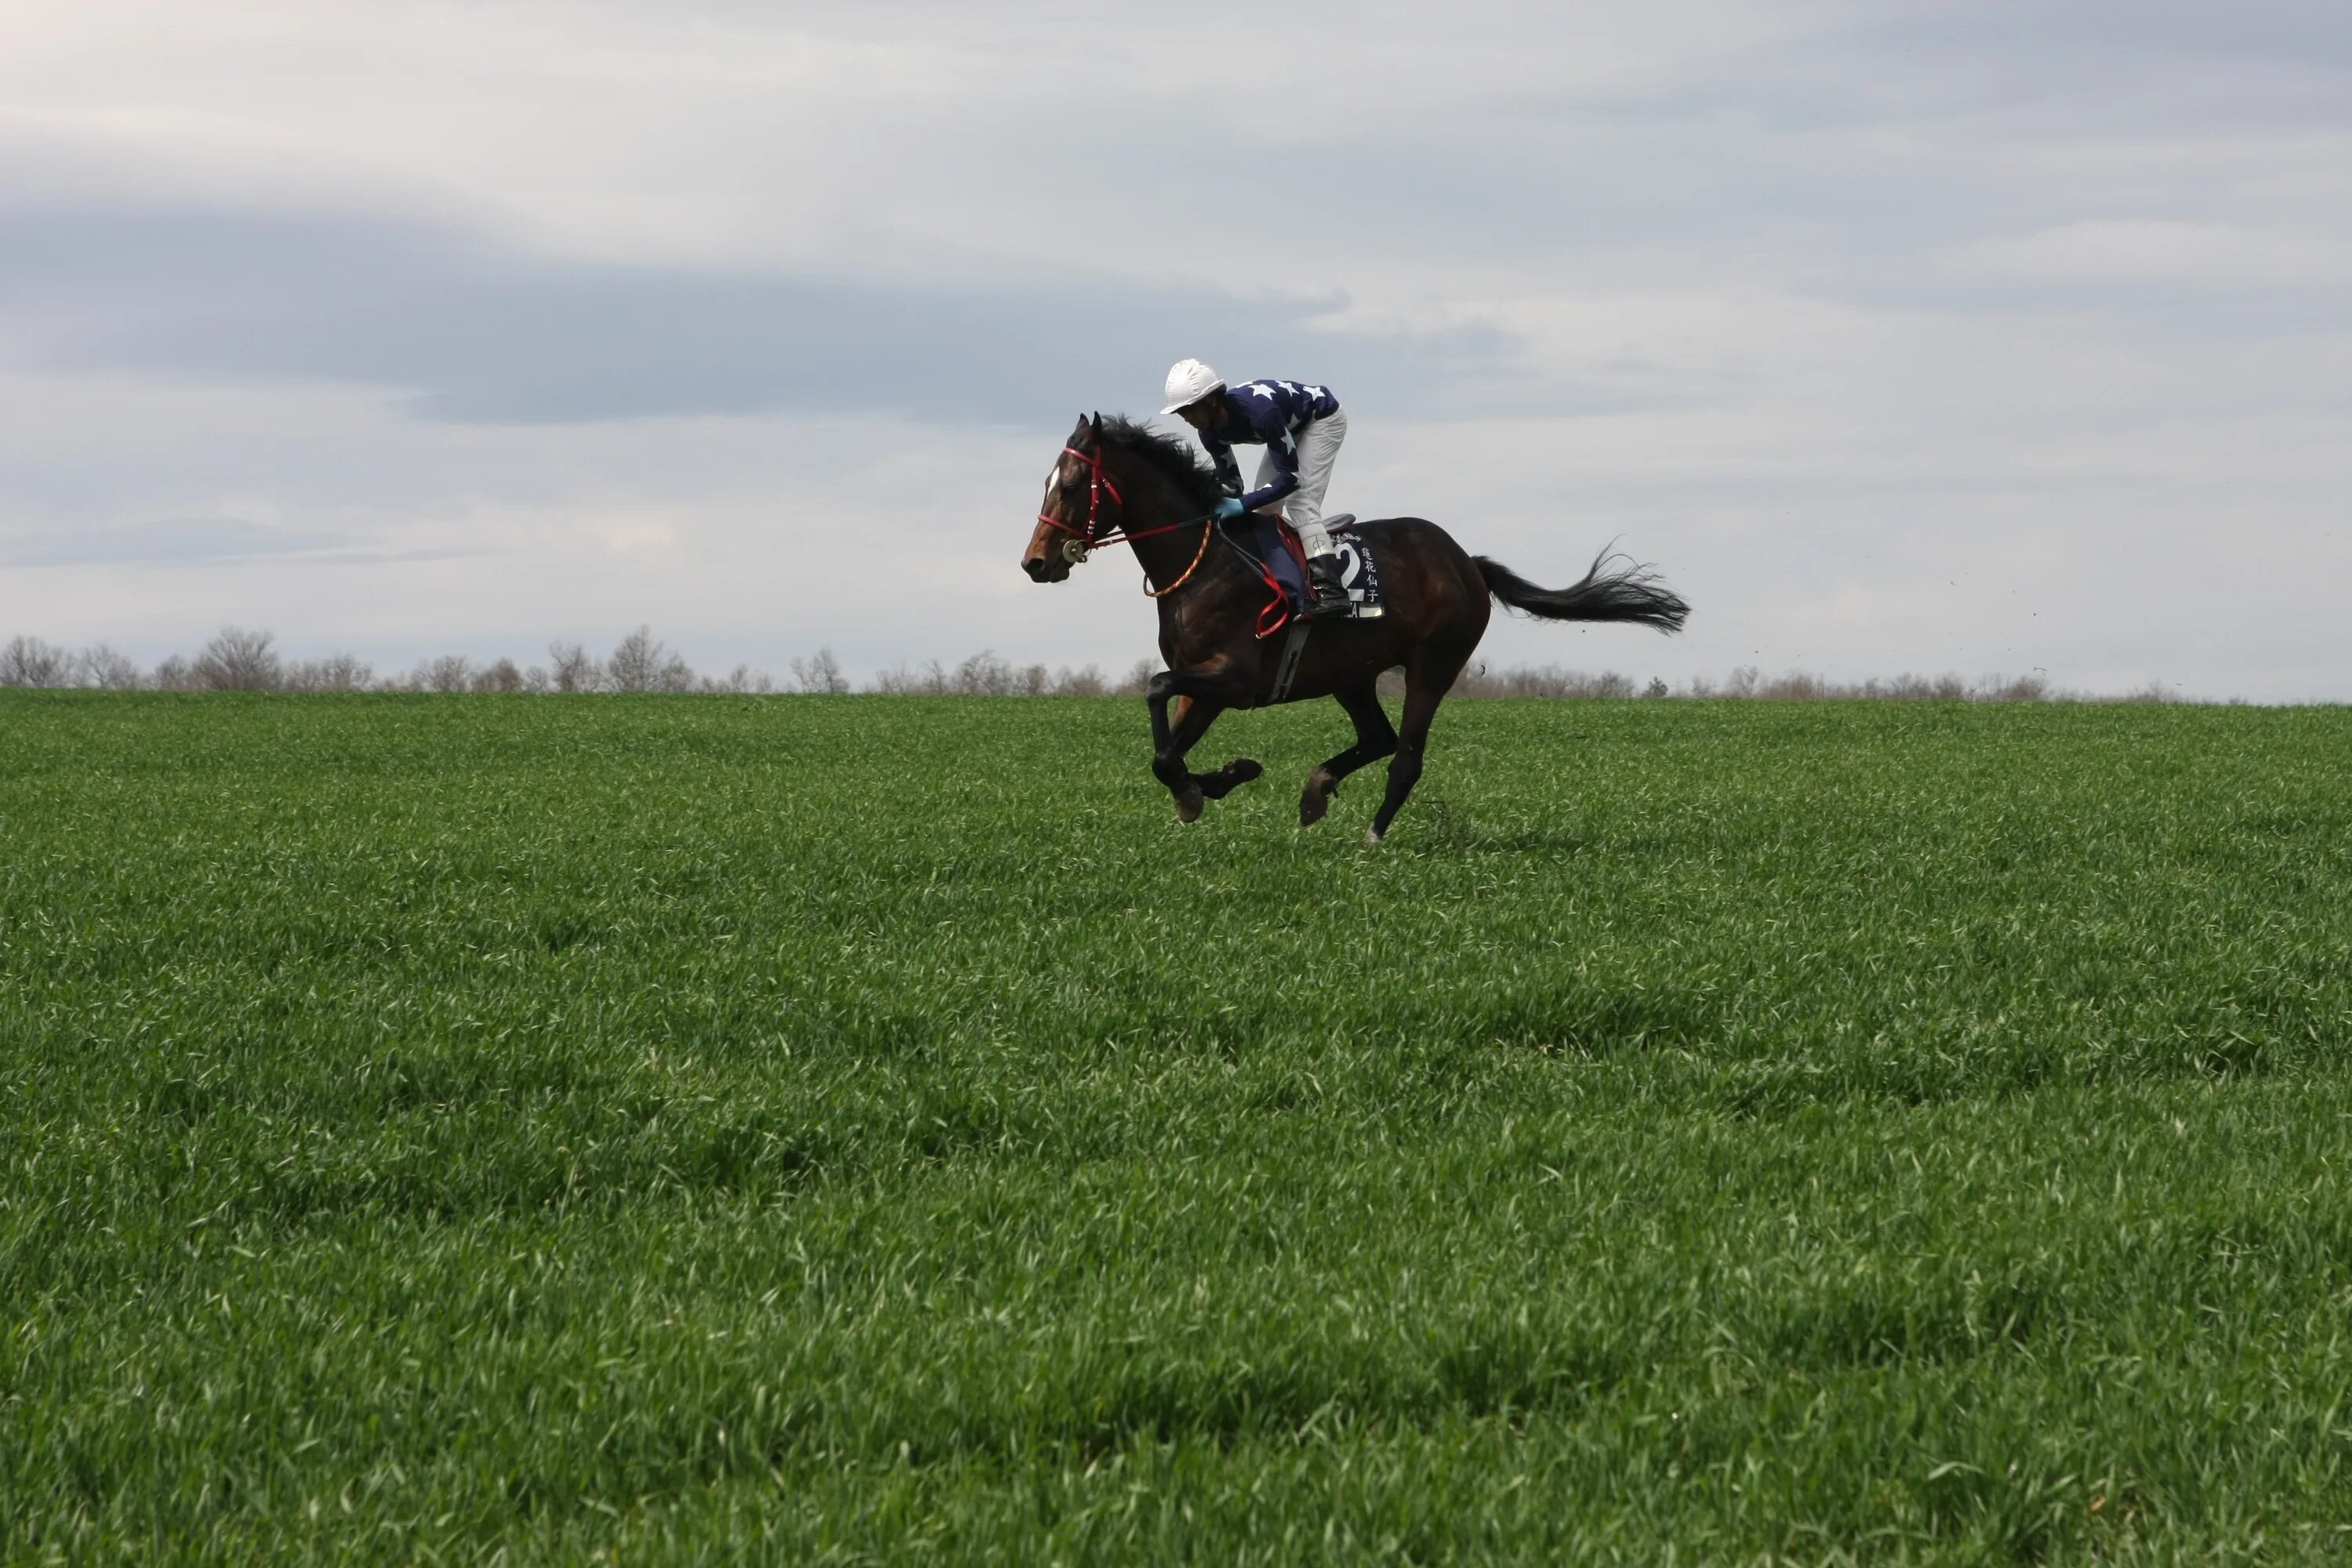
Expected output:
(1293, 645)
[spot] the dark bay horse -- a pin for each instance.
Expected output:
(1118, 480)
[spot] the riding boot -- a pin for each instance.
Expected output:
(1327, 595)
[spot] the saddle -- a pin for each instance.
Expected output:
(1282, 563)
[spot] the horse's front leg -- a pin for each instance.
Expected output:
(1202, 693)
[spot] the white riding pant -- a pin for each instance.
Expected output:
(1318, 449)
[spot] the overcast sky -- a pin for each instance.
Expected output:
(1976, 336)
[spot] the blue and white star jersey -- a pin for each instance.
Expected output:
(1267, 413)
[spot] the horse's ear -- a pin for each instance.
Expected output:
(1097, 421)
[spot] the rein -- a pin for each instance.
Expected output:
(1093, 537)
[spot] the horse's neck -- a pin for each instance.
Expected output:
(1162, 556)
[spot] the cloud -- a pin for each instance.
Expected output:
(198, 542)
(2150, 251)
(178, 541)
(479, 332)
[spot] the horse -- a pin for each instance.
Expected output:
(1118, 481)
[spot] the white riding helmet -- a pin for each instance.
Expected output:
(1189, 381)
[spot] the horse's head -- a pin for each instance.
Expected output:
(1081, 506)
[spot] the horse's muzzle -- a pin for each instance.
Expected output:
(1045, 568)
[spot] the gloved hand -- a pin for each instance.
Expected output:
(1229, 509)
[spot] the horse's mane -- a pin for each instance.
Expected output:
(1183, 468)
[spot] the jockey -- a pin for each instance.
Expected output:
(1301, 428)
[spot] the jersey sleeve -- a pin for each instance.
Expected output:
(1229, 473)
(1283, 453)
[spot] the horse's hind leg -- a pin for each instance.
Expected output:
(1375, 738)
(1426, 681)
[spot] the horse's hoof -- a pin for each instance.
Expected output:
(1241, 770)
(1373, 835)
(1317, 798)
(1188, 803)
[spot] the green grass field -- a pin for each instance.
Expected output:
(813, 1129)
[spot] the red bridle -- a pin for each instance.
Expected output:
(1096, 485)
(1091, 537)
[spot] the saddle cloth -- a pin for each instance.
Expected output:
(1276, 543)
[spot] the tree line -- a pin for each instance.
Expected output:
(239, 659)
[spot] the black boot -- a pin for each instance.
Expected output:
(1326, 596)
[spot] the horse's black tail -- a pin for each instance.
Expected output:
(1630, 593)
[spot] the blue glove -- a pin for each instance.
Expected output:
(1229, 509)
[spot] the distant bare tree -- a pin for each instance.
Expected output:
(174, 674)
(1794, 687)
(640, 663)
(29, 661)
(903, 680)
(1541, 680)
(336, 672)
(237, 660)
(1944, 688)
(740, 682)
(571, 668)
(983, 674)
(452, 672)
(500, 676)
(101, 666)
(632, 665)
(820, 676)
(537, 681)
(2022, 689)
